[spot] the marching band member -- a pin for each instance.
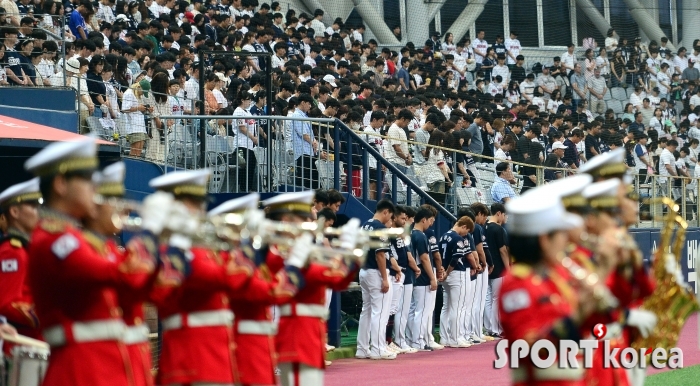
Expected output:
(197, 339)
(19, 204)
(302, 327)
(74, 287)
(537, 302)
(609, 201)
(253, 329)
(101, 231)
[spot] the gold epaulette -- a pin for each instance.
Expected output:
(521, 271)
(54, 225)
(96, 242)
(16, 243)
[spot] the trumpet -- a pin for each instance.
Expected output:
(601, 293)
(122, 210)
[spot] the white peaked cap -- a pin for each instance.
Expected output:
(64, 157)
(23, 192)
(239, 204)
(537, 214)
(188, 182)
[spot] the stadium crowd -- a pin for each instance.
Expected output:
(133, 62)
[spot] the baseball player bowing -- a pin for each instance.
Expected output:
(376, 294)
(454, 250)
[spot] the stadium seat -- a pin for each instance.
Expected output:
(607, 96)
(615, 105)
(619, 93)
(629, 91)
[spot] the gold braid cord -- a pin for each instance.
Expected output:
(671, 302)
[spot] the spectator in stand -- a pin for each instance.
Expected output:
(136, 103)
(568, 58)
(579, 86)
(596, 87)
(397, 152)
(667, 167)
(77, 24)
(571, 153)
(617, 69)
(592, 140)
(518, 72)
(610, 40)
(501, 190)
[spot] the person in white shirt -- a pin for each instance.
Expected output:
(317, 23)
(680, 61)
(397, 151)
(527, 88)
(653, 66)
(501, 69)
(279, 59)
(246, 138)
(636, 98)
(667, 166)
(358, 32)
(663, 81)
(479, 45)
(569, 58)
(538, 101)
(513, 47)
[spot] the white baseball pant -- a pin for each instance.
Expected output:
(374, 315)
(396, 293)
(492, 323)
(479, 303)
(422, 305)
(452, 296)
(401, 316)
(433, 294)
(471, 284)
(296, 374)
(465, 307)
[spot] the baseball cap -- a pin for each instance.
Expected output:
(558, 145)
(145, 86)
(311, 82)
(330, 79)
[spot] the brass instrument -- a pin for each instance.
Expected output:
(602, 295)
(123, 209)
(672, 302)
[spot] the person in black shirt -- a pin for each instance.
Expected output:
(423, 303)
(592, 141)
(497, 240)
(518, 71)
(529, 153)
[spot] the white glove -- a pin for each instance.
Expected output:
(350, 233)
(675, 269)
(645, 321)
(254, 220)
(181, 220)
(300, 251)
(155, 210)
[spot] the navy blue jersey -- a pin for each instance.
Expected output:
(470, 237)
(487, 251)
(454, 250)
(432, 241)
(371, 261)
(480, 238)
(400, 253)
(419, 242)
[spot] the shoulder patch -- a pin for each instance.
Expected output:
(516, 300)
(460, 244)
(520, 271)
(10, 265)
(65, 245)
(16, 243)
(432, 240)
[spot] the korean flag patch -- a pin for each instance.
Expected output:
(64, 246)
(10, 265)
(460, 244)
(432, 240)
(516, 300)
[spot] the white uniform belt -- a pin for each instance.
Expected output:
(255, 327)
(136, 334)
(93, 331)
(549, 374)
(198, 319)
(309, 310)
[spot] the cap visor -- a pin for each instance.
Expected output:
(571, 221)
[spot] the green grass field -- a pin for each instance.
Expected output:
(686, 376)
